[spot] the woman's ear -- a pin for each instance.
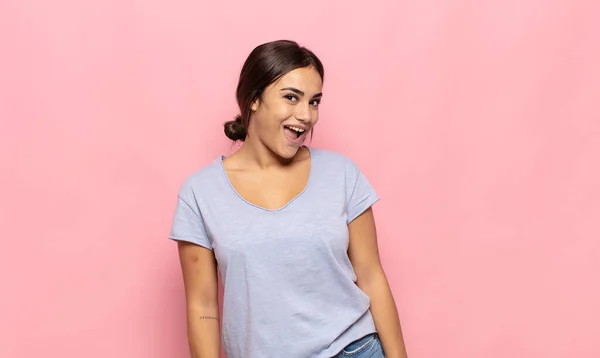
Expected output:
(254, 105)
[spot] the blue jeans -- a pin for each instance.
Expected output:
(367, 347)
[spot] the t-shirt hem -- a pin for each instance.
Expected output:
(364, 207)
(206, 246)
(341, 344)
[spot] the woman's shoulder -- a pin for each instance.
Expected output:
(328, 155)
(336, 165)
(332, 158)
(201, 178)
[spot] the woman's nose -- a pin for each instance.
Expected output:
(303, 113)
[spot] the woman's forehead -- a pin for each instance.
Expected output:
(306, 79)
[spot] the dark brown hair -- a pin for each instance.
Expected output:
(265, 64)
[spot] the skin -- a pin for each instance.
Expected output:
(258, 171)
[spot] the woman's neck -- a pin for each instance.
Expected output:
(260, 156)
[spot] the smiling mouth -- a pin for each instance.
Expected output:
(294, 132)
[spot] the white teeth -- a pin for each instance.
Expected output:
(299, 130)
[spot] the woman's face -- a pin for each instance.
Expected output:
(286, 111)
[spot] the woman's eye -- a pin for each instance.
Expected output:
(290, 97)
(315, 102)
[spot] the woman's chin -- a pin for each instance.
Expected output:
(288, 151)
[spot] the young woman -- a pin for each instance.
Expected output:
(290, 229)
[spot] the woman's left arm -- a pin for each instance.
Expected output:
(371, 279)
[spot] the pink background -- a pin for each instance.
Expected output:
(477, 122)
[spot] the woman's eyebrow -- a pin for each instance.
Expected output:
(301, 93)
(295, 90)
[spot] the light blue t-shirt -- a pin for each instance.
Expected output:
(289, 285)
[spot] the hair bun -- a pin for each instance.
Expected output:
(235, 130)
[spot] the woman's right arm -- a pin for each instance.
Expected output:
(199, 270)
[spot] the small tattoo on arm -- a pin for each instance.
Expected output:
(209, 317)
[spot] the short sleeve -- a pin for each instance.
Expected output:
(188, 224)
(360, 195)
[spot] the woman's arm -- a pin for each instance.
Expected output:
(364, 255)
(201, 291)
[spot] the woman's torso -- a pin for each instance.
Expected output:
(289, 284)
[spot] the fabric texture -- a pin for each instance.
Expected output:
(289, 286)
